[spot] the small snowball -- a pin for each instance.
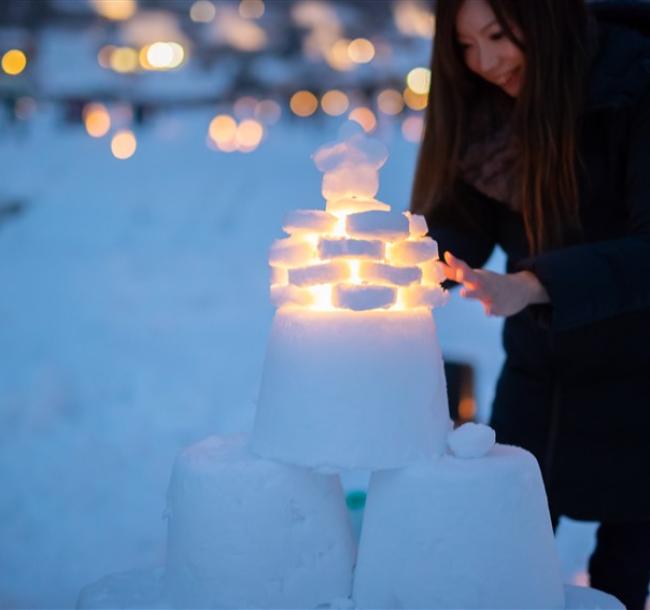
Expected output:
(279, 275)
(291, 295)
(347, 248)
(353, 205)
(361, 298)
(471, 440)
(383, 225)
(316, 221)
(423, 296)
(386, 274)
(432, 273)
(291, 252)
(417, 225)
(413, 252)
(336, 271)
(359, 180)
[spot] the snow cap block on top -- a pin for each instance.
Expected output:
(245, 532)
(316, 221)
(325, 273)
(471, 440)
(360, 181)
(424, 296)
(379, 225)
(353, 205)
(387, 274)
(463, 540)
(417, 225)
(363, 297)
(413, 252)
(350, 248)
(291, 252)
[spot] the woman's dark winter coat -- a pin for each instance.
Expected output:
(575, 386)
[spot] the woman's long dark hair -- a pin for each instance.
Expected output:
(546, 114)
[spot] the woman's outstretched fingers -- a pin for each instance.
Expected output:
(463, 273)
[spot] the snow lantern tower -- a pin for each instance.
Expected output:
(353, 376)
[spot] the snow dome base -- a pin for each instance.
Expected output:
(244, 532)
(352, 389)
(459, 533)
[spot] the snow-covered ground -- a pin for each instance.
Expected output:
(134, 313)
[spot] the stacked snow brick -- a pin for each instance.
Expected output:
(358, 255)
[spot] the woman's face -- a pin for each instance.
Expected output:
(487, 50)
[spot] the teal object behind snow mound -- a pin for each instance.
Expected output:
(356, 500)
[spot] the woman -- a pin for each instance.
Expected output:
(537, 139)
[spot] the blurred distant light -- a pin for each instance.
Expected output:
(244, 107)
(335, 102)
(303, 103)
(251, 9)
(25, 107)
(249, 135)
(412, 128)
(361, 51)
(14, 62)
(123, 144)
(268, 111)
(104, 55)
(203, 11)
(390, 101)
(419, 80)
(97, 120)
(124, 59)
(117, 10)
(162, 56)
(365, 117)
(415, 101)
(414, 18)
(337, 56)
(223, 129)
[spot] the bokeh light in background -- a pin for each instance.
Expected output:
(14, 62)
(117, 10)
(162, 56)
(361, 51)
(244, 107)
(222, 129)
(335, 102)
(97, 120)
(203, 11)
(412, 128)
(419, 80)
(251, 9)
(365, 117)
(415, 101)
(268, 111)
(390, 101)
(123, 144)
(249, 135)
(414, 19)
(303, 103)
(124, 60)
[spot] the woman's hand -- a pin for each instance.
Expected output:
(502, 294)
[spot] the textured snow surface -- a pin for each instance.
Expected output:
(245, 532)
(475, 534)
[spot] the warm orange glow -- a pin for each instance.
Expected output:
(268, 111)
(14, 62)
(124, 144)
(337, 55)
(244, 107)
(303, 103)
(161, 56)
(249, 135)
(96, 120)
(335, 102)
(415, 101)
(124, 60)
(390, 101)
(322, 297)
(203, 11)
(419, 80)
(361, 51)
(414, 19)
(223, 129)
(365, 117)
(412, 128)
(251, 9)
(117, 10)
